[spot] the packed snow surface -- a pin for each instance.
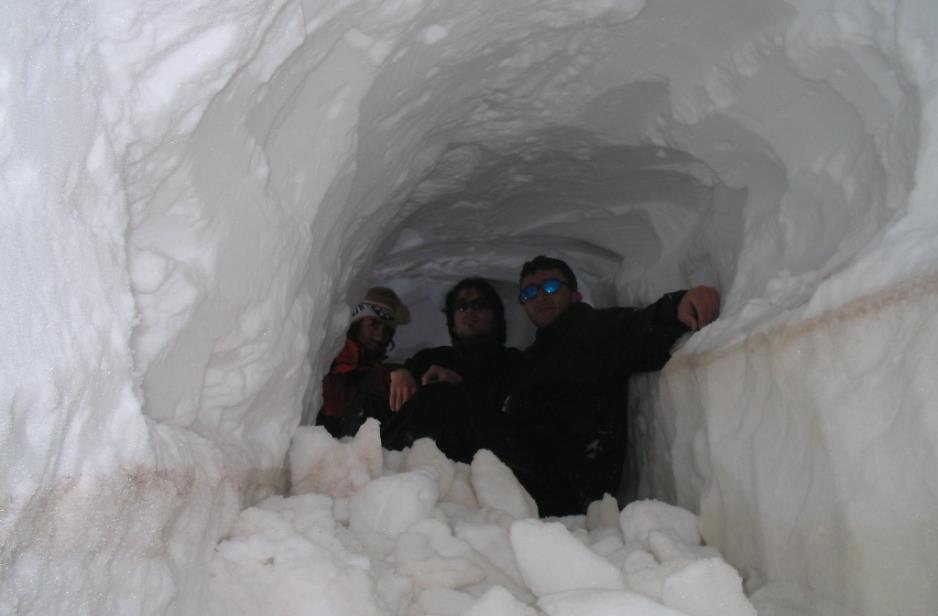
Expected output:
(408, 541)
(193, 193)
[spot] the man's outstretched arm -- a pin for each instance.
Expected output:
(667, 320)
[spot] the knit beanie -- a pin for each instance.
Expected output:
(384, 304)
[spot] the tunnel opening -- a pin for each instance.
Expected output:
(634, 222)
(786, 206)
(233, 179)
(630, 219)
(476, 151)
(499, 149)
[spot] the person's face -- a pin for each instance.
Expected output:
(544, 309)
(374, 334)
(472, 315)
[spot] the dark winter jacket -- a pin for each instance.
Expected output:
(489, 372)
(573, 391)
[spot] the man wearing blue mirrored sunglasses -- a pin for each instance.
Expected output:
(563, 428)
(568, 414)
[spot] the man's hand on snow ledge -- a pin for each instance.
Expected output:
(699, 307)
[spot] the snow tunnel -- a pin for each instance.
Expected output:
(194, 193)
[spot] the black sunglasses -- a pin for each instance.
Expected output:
(550, 286)
(474, 304)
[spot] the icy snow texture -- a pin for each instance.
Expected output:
(319, 464)
(392, 504)
(408, 551)
(491, 479)
(541, 547)
(640, 519)
(192, 193)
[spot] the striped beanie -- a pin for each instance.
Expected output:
(384, 304)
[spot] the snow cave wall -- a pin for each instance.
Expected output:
(193, 193)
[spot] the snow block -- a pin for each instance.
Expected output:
(552, 560)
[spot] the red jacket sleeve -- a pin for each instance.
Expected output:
(340, 385)
(350, 373)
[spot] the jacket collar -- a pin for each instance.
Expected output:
(364, 352)
(558, 329)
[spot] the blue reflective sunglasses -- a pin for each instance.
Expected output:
(550, 286)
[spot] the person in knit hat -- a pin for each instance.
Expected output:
(357, 380)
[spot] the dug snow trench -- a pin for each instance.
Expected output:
(193, 195)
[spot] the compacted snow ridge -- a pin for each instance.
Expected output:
(372, 532)
(193, 193)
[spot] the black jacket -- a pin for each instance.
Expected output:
(572, 396)
(489, 372)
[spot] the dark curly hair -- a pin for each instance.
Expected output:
(540, 262)
(487, 291)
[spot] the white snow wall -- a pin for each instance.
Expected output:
(190, 190)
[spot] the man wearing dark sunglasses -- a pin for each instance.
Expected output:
(471, 378)
(475, 318)
(570, 404)
(563, 431)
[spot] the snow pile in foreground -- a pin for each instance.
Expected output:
(372, 532)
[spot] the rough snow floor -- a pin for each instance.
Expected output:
(368, 531)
